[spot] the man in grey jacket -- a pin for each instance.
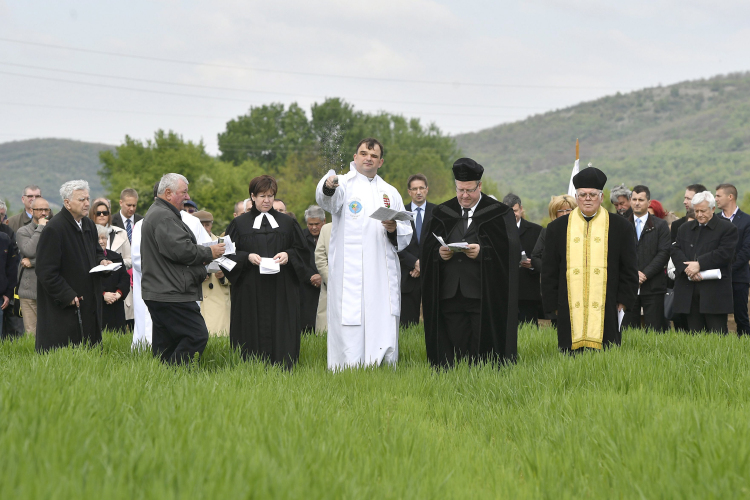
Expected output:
(27, 238)
(174, 267)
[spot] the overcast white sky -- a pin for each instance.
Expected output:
(463, 65)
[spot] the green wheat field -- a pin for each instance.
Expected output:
(663, 416)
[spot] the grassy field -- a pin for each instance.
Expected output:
(664, 416)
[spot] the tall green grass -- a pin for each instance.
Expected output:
(663, 416)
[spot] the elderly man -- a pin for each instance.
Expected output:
(28, 240)
(411, 283)
(315, 217)
(69, 298)
(239, 208)
(689, 213)
(469, 293)
(279, 205)
(726, 201)
(174, 266)
(529, 293)
(703, 247)
(620, 198)
(216, 306)
(30, 193)
(8, 274)
(364, 298)
(652, 247)
(126, 218)
(589, 269)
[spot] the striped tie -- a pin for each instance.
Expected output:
(129, 229)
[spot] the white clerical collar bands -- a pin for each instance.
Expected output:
(259, 220)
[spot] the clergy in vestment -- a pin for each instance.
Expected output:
(589, 269)
(469, 298)
(68, 249)
(266, 319)
(364, 293)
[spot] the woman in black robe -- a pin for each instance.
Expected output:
(116, 287)
(265, 313)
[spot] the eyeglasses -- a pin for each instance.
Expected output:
(418, 189)
(588, 196)
(40, 209)
(466, 191)
(99, 214)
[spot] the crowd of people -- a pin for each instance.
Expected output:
(472, 268)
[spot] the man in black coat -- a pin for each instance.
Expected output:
(529, 293)
(589, 257)
(69, 298)
(652, 247)
(315, 217)
(126, 217)
(8, 274)
(411, 283)
(705, 244)
(726, 201)
(469, 295)
(690, 191)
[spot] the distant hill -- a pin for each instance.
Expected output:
(664, 137)
(48, 163)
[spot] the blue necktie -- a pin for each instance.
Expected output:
(638, 229)
(129, 229)
(418, 224)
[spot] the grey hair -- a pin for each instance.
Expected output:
(101, 230)
(512, 200)
(618, 191)
(66, 190)
(704, 196)
(3, 205)
(171, 181)
(315, 212)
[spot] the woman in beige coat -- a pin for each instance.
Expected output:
(217, 301)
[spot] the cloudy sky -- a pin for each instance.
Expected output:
(96, 71)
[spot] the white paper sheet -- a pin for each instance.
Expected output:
(111, 267)
(710, 274)
(620, 315)
(229, 249)
(268, 266)
(384, 214)
(455, 247)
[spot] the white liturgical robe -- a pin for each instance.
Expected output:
(364, 274)
(143, 325)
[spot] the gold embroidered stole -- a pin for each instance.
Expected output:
(587, 277)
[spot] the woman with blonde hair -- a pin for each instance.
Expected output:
(558, 206)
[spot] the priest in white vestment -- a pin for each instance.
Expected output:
(364, 275)
(143, 325)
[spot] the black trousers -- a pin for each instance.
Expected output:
(653, 313)
(740, 294)
(697, 322)
(411, 303)
(528, 311)
(461, 317)
(179, 330)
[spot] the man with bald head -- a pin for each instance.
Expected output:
(27, 238)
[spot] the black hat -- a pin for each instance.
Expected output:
(590, 178)
(466, 169)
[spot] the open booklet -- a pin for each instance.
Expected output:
(384, 214)
(222, 261)
(103, 269)
(455, 247)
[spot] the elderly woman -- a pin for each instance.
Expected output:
(116, 286)
(271, 261)
(558, 206)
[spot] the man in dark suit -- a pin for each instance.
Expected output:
(652, 247)
(705, 244)
(126, 217)
(411, 286)
(529, 295)
(469, 294)
(689, 213)
(620, 199)
(726, 201)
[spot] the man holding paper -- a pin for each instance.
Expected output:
(174, 266)
(69, 297)
(469, 265)
(364, 294)
(703, 255)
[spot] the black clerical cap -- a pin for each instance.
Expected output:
(466, 169)
(590, 178)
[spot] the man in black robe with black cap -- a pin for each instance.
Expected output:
(589, 269)
(469, 296)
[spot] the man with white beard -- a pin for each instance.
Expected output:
(364, 296)
(143, 324)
